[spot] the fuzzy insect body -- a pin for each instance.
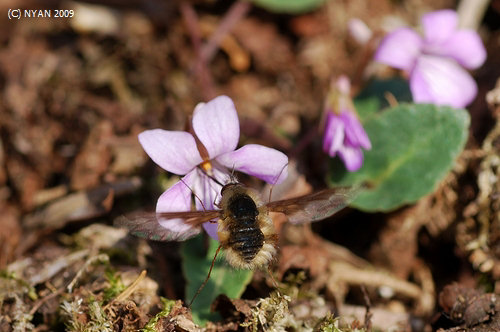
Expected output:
(245, 231)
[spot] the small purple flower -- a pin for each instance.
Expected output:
(207, 155)
(343, 133)
(434, 61)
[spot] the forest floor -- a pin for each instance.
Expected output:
(76, 93)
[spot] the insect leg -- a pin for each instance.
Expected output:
(192, 191)
(208, 277)
(276, 180)
(272, 277)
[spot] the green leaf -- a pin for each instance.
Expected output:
(223, 280)
(413, 147)
(289, 6)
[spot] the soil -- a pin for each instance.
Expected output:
(74, 95)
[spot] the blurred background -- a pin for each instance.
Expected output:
(75, 91)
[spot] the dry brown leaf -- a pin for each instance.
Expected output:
(10, 233)
(94, 157)
(80, 205)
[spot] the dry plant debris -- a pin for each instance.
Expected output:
(75, 94)
(470, 308)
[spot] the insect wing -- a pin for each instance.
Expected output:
(166, 226)
(315, 206)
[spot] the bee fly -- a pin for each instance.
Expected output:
(245, 230)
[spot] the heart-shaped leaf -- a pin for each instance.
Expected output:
(289, 6)
(413, 147)
(223, 280)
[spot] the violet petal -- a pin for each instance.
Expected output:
(260, 161)
(210, 198)
(327, 133)
(352, 158)
(466, 47)
(208, 191)
(334, 135)
(399, 49)
(355, 134)
(211, 229)
(164, 148)
(439, 25)
(217, 126)
(177, 199)
(441, 81)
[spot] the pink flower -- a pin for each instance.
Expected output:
(434, 61)
(343, 133)
(207, 158)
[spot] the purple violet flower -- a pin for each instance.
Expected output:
(207, 155)
(343, 133)
(434, 61)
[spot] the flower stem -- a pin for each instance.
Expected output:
(471, 13)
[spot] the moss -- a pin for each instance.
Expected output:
(10, 285)
(167, 308)
(85, 317)
(271, 313)
(21, 317)
(116, 285)
(279, 311)
(72, 310)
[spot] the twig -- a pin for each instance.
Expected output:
(39, 303)
(372, 278)
(91, 260)
(205, 53)
(201, 71)
(368, 314)
(129, 290)
(237, 11)
(191, 20)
